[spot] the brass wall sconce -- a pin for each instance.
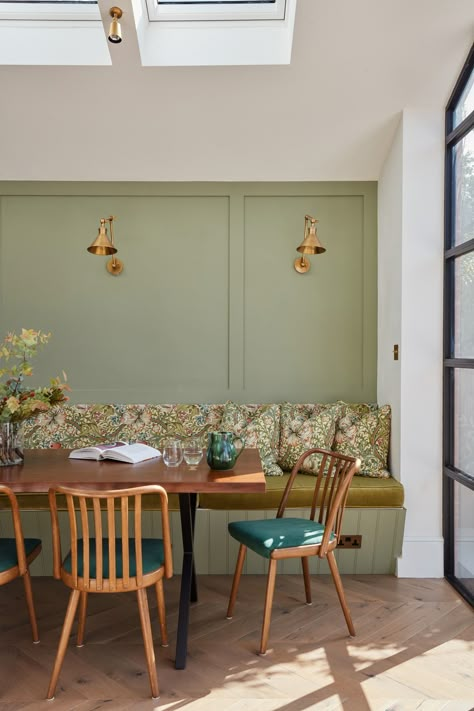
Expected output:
(310, 245)
(115, 30)
(105, 246)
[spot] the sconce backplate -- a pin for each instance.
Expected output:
(114, 266)
(302, 265)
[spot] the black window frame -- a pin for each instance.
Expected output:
(452, 474)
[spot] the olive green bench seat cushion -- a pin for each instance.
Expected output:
(364, 492)
(40, 502)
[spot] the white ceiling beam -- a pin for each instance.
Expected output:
(125, 54)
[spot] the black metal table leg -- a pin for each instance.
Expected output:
(194, 593)
(187, 507)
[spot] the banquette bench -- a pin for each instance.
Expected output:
(281, 432)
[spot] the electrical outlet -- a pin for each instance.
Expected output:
(350, 542)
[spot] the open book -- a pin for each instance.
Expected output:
(120, 451)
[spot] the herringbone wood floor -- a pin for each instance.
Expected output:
(414, 649)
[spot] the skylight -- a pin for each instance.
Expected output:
(158, 33)
(49, 10)
(215, 10)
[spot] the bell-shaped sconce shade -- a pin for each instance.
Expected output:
(309, 245)
(104, 246)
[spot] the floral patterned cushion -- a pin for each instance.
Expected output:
(364, 431)
(75, 426)
(303, 427)
(256, 426)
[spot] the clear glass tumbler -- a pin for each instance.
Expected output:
(172, 452)
(192, 451)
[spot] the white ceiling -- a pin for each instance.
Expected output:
(330, 115)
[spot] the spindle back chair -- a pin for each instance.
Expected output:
(105, 558)
(285, 537)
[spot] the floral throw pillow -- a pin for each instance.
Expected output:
(256, 426)
(365, 435)
(304, 427)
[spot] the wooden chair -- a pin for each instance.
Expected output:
(16, 554)
(110, 563)
(281, 537)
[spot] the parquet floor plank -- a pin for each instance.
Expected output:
(413, 651)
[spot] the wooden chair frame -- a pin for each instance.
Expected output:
(329, 499)
(22, 568)
(82, 585)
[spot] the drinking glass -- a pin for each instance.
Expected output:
(192, 451)
(172, 453)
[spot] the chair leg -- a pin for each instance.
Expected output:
(66, 631)
(267, 613)
(236, 580)
(160, 598)
(148, 641)
(307, 580)
(340, 592)
(82, 619)
(30, 604)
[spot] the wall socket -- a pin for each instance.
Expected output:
(350, 542)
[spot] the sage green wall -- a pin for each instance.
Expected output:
(209, 306)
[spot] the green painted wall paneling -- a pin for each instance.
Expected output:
(209, 306)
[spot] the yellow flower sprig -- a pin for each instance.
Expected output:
(18, 402)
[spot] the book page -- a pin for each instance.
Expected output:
(94, 452)
(132, 453)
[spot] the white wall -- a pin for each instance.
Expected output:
(389, 289)
(411, 307)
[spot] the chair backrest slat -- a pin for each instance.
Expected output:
(111, 536)
(317, 488)
(73, 528)
(99, 556)
(118, 540)
(85, 541)
(138, 538)
(125, 542)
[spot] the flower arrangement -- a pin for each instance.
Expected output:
(17, 401)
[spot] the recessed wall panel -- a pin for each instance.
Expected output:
(159, 331)
(305, 335)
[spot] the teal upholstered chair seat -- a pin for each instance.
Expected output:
(266, 535)
(153, 557)
(8, 551)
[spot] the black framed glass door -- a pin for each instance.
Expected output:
(458, 471)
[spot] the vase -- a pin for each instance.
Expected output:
(11, 443)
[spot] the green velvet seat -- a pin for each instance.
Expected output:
(364, 492)
(8, 551)
(152, 556)
(266, 535)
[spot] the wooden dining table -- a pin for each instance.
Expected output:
(43, 468)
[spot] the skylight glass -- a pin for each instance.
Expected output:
(211, 10)
(49, 10)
